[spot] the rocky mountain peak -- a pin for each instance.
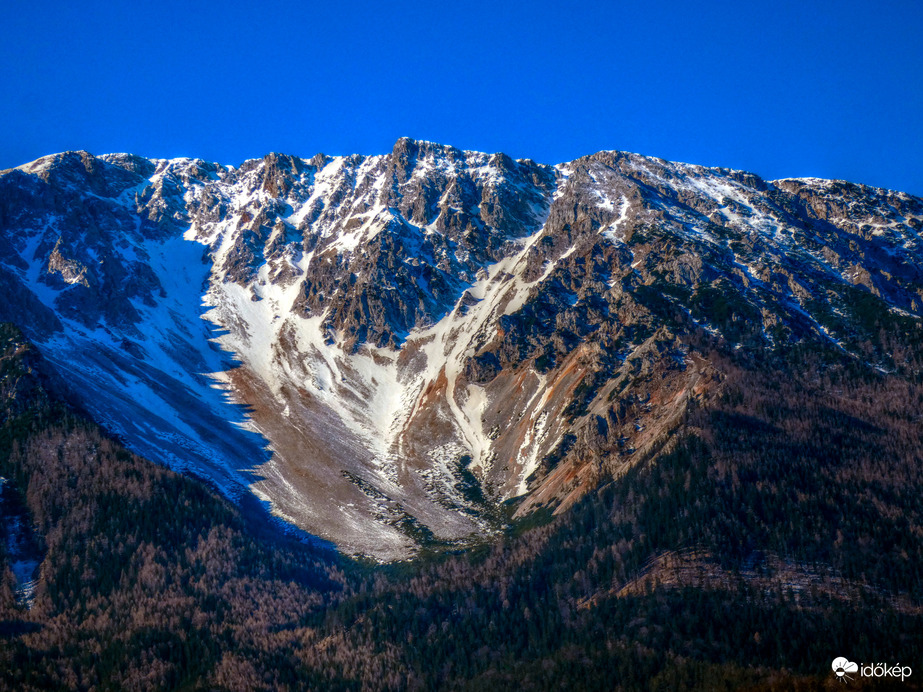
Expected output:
(388, 348)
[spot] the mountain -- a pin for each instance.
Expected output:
(411, 349)
(641, 425)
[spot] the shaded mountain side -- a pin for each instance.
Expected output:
(779, 528)
(148, 579)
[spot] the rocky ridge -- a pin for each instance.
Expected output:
(392, 346)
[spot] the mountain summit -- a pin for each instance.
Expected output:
(393, 349)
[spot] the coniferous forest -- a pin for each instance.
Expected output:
(777, 528)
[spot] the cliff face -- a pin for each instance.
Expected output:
(386, 348)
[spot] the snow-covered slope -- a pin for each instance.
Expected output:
(386, 347)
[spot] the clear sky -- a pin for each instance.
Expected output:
(831, 89)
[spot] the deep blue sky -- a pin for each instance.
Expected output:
(832, 89)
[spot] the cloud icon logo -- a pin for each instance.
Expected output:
(842, 666)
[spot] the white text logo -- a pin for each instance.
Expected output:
(846, 670)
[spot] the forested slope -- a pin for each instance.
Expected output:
(778, 528)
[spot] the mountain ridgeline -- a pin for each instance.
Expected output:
(413, 349)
